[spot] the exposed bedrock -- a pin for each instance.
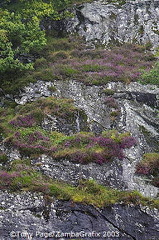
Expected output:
(30, 216)
(134, 21)
(138, 106)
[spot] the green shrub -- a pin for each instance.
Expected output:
(115, 113)
(44, 75)
(52, 88)
(91, 68)
(67, 71)
(3, 158)
(151, 77)
(40, 63)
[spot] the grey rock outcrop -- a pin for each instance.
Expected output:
(134, 21)
(138, 106)
(30, 216)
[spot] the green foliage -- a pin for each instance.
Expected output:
(3, 158)
(18, 38)
(20, 32)
(40, 63)
(92, 68)
(151, 77)
(52, 89)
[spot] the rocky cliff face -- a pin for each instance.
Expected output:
(134, 21)
(30, 216)
(138, 115)
(125, 107)
(138, 106)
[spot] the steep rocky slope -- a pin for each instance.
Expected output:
(138, 115)
(46, 173)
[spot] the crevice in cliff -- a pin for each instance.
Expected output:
(114, 225)
(105, 219)
(82, 20)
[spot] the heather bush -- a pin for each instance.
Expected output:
(70, 58)
(61, 55)
(63, 71)
(40, 63)
(25, 133)
(45, 74)
(149, 166)
(31, 117)
(91, 68)
(128, 142)
(7, 178)
(52, 88)
(23, 176)
(98, 67)
(84, 149)
(23, 121)
(59, 107)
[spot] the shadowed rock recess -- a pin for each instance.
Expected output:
(79, 160)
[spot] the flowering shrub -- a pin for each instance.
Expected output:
(24, 121)
(32, 142)
(81, 147)
(59, 107)
(87, 191)
(149, 166)
(101, 66)
(128, 142)
(95, 149)
(6, 178)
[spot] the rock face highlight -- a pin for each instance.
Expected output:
(134, 21)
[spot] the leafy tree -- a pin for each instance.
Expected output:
(20, 31)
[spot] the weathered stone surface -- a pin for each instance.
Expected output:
(68, 126)
(30, 216)
(138, 115)
(109, 174)
(135, 21)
